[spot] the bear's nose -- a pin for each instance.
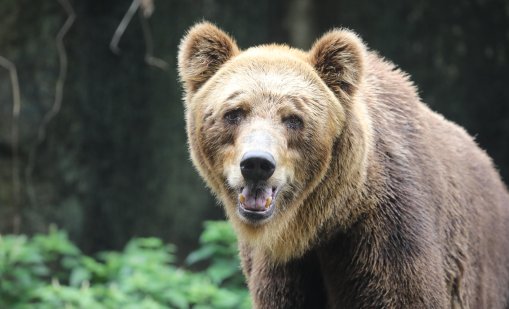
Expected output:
(257, 165)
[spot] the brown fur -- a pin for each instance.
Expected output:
(383, 203)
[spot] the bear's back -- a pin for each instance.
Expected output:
(456, 180)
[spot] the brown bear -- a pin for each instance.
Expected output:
(345, 190)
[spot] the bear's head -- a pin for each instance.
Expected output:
(264, 128)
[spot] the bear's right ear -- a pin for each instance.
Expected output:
(203, 50)
(338, 57)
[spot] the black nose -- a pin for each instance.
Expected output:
(257, 165)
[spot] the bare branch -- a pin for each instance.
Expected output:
(16, 108)
(123, 25)
(149, 46)
(147, 7)
(59, 91)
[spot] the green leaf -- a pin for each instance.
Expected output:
(201, 254)
(78, 276)
(177, 299)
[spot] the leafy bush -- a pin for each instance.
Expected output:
(48, 271)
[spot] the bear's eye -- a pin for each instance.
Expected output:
(293, 122)
(234, 117)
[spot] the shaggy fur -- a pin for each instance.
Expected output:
(381, 203)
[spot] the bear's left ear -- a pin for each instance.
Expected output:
(338, 57)
(202, 52)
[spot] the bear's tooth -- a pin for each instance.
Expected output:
(242, 198)
(267, 202)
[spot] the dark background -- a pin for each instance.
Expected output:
(113, 161)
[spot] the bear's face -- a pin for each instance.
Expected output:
(262, 123)
(260, 133)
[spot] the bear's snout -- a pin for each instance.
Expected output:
(257, 166)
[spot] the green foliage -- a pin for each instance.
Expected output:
(48, 271)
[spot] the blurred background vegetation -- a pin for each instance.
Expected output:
(48, 271)
(111, 163)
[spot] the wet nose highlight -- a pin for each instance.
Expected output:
(257, 165)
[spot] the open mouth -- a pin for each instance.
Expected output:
(256, 203)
